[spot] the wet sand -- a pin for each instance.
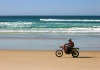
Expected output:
(46, 60)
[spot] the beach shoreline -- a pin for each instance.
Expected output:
(47, 42)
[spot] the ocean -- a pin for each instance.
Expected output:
(49, 32)
(59, 25)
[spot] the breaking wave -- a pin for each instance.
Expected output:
(73, 20)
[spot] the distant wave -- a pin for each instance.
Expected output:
(73, 20)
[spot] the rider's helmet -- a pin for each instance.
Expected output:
(69, 39)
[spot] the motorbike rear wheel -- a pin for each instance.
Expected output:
(75, 54)
(59, 53)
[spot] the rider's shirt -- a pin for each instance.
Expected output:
(71, 44)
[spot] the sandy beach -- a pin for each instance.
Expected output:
(46, 60)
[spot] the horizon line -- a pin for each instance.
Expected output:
(49, 15)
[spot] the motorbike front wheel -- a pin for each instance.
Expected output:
(75, 54)
(59, 53)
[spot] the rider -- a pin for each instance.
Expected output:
(69, 45)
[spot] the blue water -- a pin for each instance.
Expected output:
(49, 32)
(59, 25)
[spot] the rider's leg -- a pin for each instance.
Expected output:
(65, 47)
(68, 49)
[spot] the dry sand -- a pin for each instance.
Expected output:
(46, 60)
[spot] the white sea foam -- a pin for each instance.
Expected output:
(59, 31)
(15, 24)
(41, 28)
(73, 20)
(96, 26)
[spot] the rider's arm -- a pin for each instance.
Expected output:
(66, 43)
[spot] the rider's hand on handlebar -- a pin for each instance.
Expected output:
(60, 47)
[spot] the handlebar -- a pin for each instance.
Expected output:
(61, 47)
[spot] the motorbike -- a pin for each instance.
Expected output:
(73, 51)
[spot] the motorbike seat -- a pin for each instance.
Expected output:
(75, 48)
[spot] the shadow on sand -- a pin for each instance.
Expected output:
(85, 57)
(80, 57)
